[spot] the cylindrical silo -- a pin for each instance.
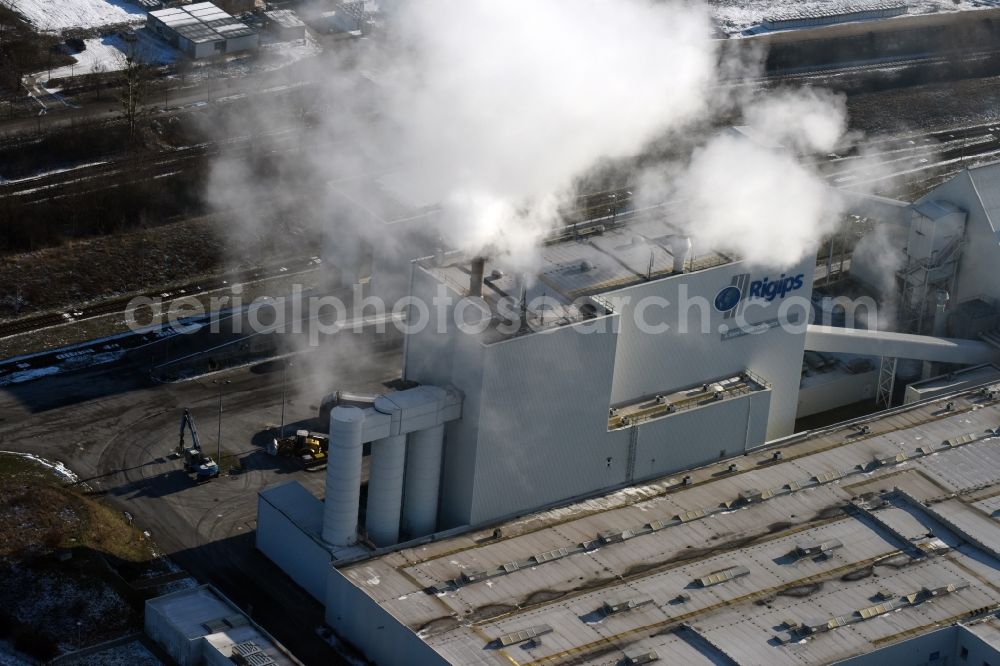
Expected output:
(343, 476)
(423, 480)
(385, 489)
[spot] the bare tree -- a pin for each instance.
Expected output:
(135, 76)
(99, 69)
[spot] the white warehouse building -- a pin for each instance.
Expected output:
(202, 30)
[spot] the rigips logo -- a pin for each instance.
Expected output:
(770, 290)
(742, 290)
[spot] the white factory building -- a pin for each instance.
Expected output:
(202, 30)
(621, 358)
(201, 626)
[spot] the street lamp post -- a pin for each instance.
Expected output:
(284, 378)
(221, 383)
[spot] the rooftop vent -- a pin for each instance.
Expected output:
(827, 477)
(550, 555)
(612, 536)
(472, 576)
(250, 654)
(641, 656)
(722, 576)
(817, 547)
(586, 266)
(622, 606)
(890, 459)
(515, 637)
(688, 516)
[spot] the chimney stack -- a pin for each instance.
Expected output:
(476, 279)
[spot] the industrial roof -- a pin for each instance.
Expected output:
(955, 381)
(202, 22)
(285, 18)
(985, 181)
(585, 261)
(855, 537)
(203, 612)
(836, 11)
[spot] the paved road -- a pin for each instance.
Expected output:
(115, 430)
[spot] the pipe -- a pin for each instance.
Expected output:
(385, 489)
(423, 481)
(343, 476)
(476, 278)
(898, 345)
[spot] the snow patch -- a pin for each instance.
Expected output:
(51, 16)
(108, 54)
(57, 467)
(736, 16)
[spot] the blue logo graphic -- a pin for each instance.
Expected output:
(728, 298)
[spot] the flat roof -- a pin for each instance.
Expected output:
(729, 564)
(285, 18)
(203, 612)
(977, 374)
(576, 267)
(202, 22)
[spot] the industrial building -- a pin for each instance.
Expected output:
(554, 403)
(202, 30)
(284, 25)
(201, 626)
(874, 541)
(811, 18)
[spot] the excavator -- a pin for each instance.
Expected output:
(308, 448)
(195, 460)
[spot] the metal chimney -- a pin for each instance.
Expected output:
(680, 247)
(476, 278)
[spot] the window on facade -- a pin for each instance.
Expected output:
(964, 653)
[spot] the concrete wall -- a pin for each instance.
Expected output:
(702, 435)
(913, 652)
(296, 552)
(684, 356)
(245, 43)
(840, 390)
(543, 422)
(358, 619)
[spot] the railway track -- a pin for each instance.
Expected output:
(100, 176)
(120, 305)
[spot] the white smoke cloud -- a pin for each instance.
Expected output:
(493, 109)
(807, 120)
(499, 105)
(755, 193)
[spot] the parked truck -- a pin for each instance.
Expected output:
(308, 448)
